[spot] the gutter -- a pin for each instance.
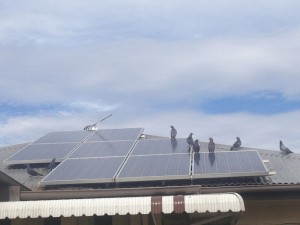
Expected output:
(159, 191)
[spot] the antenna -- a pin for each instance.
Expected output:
(103, 119)
(94, 126)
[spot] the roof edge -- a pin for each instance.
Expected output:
(151, 191)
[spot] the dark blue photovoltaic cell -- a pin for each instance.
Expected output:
(43, 152)
(233, 162)
(102, 149)
(90, 170)
(220, 161)
(210, 165)
(245, 163)
(155, 167)
(161, 146)
(254, 159)
(64, 136)
(228, 164)
(115, 134)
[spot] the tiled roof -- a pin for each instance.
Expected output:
(287, 169)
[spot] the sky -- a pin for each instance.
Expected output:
(215, 68)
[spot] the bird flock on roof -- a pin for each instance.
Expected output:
(211, 145)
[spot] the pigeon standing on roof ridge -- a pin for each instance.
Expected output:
(51, 165)
(32, 172)
(196, 146)
(190, 139)
(173, 132)
(236, 144)
(285, 150)
(211, 145)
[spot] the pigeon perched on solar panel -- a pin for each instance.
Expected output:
(236, 144)
(32, 172)
(196, 146)
(190, 139)
(173, 132)
(51, 165)
(211, 145)
(285, 150)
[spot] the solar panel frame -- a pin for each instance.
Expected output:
(149, 162)
(77, 175)
(221, 163)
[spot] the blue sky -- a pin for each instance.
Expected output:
(214, 68)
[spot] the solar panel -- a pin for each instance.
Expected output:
(161, 146)
(228, 164)
(155, 167)
(64, 136)
(103, 149)
(115, 134)
(41, 153)
(84, 171)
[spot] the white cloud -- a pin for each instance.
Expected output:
(117, 71)
(93, 106)
(134, 58)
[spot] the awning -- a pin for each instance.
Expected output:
(229, 202)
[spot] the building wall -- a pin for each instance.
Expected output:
(271, 212)
(4, 193)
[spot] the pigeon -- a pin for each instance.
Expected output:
(190, 139)
(236, 144)
(32, 172)
(211, 145)
(173, 132)
(196, 146)
(285, 150)
(51, 165)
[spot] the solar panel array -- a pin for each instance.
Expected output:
(118, 155)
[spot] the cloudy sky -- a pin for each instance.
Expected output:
(216, 68)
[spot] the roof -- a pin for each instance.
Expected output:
(8, 181)
(211, 203)
(285, 166)
(15, 174)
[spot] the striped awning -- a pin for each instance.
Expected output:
(129, 205)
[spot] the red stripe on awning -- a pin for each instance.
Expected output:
(156, 204)
(179, 204)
